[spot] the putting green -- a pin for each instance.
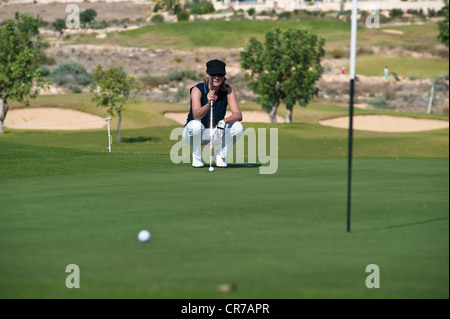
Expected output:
(269, 236)
(385, 123)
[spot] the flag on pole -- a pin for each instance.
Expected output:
(354, 29)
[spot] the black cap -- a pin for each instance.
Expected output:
(216, 67)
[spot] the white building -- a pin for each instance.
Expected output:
(288, 5)
(328, 5)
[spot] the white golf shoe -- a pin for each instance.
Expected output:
(220, 162)
(196, 162)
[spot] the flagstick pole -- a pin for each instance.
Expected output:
(354, 28)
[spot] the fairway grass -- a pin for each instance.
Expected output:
(221, 33)
(66, 200)
(373, 65)
(190, 36)
(235, 34)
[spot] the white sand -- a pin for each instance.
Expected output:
(399, 32)
(44, 118)
(66, 119)
(384, 123)
(247, 117)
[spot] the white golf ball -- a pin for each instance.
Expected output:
(211, 169)
(144, 236)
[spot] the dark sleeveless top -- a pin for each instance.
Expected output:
(220, 106)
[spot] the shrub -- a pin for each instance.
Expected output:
(183, 16)
(97, 25)
(286, 15)
(202, 7)
(185, 74)
(45, 71)
(191, 75)
(154, 81)
(178, 58)
(337, 53)
(75, 89)
(396, 13)
(46, 60)
(180, 94)
(157, 18)
(45, 45)
(332, 93)
(71, 73)
(175, 76)
(380, 103)
(364, 51)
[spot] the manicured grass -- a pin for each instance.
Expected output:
(215, 33)
(373, 65)
(423, 35)
(66, 200)
(295, 141)
(232, 34)
(274, 236)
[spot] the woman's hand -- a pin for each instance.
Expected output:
(211, 95)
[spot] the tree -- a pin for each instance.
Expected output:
(201, 7)
(284, 69)
(60, 25)
(87, 16)
(20, 50)
(169, 4)
(172, 6)
(443, 25)
(112, 88)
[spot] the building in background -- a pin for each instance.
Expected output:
(285, 5)
(327, 5)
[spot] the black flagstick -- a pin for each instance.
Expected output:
(352, 93)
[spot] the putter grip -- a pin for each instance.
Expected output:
(211, 87)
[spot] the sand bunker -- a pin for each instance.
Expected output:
(399, 32)
(46, 118)
(384, 123)
(248, 117)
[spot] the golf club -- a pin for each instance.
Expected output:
(211, 169)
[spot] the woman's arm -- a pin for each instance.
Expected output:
(198, 111)
(236, 114)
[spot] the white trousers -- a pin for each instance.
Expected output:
(197, 135)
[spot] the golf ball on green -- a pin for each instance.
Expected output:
(144, 236)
